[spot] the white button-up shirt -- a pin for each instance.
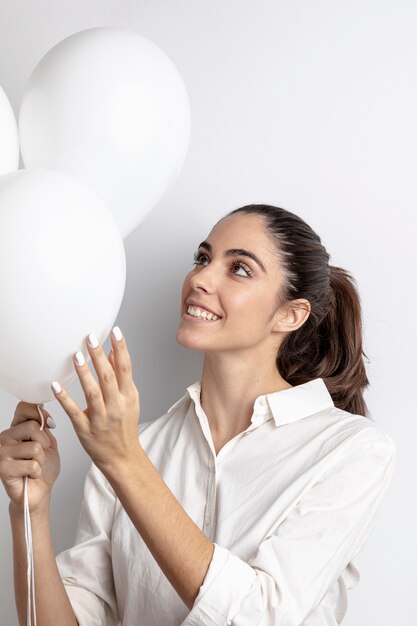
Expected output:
(288, 504)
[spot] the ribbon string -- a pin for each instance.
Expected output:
(29, 546)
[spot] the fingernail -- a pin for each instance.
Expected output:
(117, 333)
(79, 357)
(51, 422)
(56, 386)
(93, 341)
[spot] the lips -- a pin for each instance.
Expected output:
(201, 306)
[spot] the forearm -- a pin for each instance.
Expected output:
(179, 547)
(52, 603)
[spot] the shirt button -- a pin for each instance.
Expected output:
(207, 522)
(262, 401)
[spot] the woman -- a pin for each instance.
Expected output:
(248, 500)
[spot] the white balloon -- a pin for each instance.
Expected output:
(109, 107)
(62, 276)
(9, 139)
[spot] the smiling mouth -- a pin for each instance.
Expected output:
(188, 316)
(199, 319)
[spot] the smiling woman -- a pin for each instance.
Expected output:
(275, 470)
(282, 296)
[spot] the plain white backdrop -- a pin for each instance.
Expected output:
(308, 105)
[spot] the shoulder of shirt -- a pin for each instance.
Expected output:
(375, 435)
(364, 430)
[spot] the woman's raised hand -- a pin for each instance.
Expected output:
(25, 450)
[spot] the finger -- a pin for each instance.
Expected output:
(52, 441)
(77, 416)
(105, 373)
(17, 469)
(26, 431)
(92, 391)
(28, 411)
(122, 362)
(27, 450)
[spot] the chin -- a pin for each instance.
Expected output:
(188, 341)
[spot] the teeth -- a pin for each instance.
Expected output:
(196, 312)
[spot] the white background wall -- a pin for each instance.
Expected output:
(309, 105)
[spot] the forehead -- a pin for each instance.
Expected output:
(242, 231)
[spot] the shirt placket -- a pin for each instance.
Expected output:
(260, 416)
(210, 499)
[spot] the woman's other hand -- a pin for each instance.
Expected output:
(25, 450)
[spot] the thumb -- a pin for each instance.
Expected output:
(54, 443)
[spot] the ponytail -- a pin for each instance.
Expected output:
(333, 349)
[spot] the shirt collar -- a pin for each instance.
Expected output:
(285, 406)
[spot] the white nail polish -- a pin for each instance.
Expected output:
(51, 422)
(93, 341)
(117, 333)
(56, 386)
(79, 357)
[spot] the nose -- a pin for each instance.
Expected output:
(203, 279)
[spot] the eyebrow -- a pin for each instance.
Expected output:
(236, 252)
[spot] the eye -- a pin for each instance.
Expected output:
(199, 255)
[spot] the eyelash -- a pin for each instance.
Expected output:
(198, 255)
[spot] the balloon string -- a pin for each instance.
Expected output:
(29, 545)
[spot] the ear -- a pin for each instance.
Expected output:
(292, 315)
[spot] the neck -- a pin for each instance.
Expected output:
(229, 390)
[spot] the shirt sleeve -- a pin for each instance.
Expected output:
(86, 568)
(303, 556)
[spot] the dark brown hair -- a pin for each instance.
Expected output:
(328, 345)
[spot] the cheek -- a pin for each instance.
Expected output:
(248, 309)
(240, 309)
(241, 301)
(247, 322)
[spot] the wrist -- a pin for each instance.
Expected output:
(117, 471)
(41, 511)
